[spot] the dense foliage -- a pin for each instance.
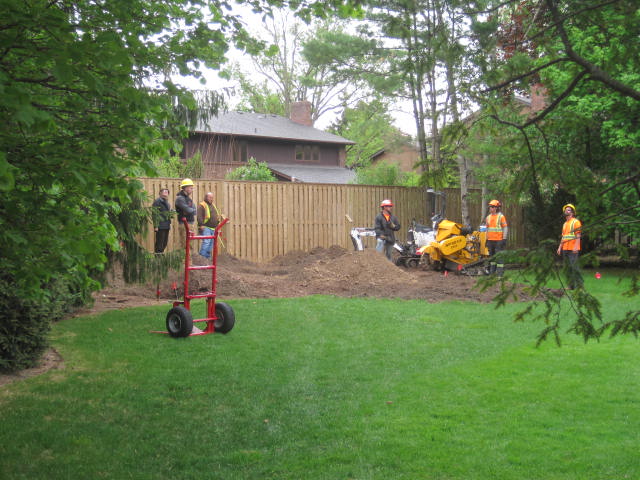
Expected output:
(253, 170)
(175, 167)
(385, 173)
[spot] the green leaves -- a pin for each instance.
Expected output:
(7, 178)
(254, 170)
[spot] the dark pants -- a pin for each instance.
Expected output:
(574, 277)
(495, 246)
(162, 237)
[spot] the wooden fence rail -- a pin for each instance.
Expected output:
(268, 219)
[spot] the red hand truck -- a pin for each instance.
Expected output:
(220, 316)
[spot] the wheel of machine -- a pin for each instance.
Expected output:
(226, 318)
(179, 322)
(412, 262)
(397, 257)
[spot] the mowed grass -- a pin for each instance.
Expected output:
(329, 388)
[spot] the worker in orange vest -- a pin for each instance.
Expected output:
(385, 224)
(570, 246)
(497, 232)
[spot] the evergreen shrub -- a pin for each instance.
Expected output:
(26, 321)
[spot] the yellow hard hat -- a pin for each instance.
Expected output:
(570, 205)
(187, 182)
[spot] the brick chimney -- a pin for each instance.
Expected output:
(301, 113)
(538, 97)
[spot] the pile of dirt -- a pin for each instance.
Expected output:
(328, 271)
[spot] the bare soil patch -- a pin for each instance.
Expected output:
(327, 271)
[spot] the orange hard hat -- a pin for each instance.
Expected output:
(386, 203)
(494, 203)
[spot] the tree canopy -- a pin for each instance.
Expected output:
(294, 67)
(370, 126)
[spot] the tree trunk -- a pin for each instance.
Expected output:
(463, 164)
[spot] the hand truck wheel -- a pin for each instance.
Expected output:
(179, 322)
(226, 318)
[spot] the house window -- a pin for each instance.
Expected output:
(307, 153)
(240, 151)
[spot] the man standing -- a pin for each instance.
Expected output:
(569, 246)
(207, 222)
(161, 214)
(184, 205)
(385, 225)
(497, 232)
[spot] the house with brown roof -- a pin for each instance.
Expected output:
(293, 149)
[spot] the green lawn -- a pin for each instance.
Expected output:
(329, 388)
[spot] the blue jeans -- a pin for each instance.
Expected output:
(207, 243)
(383, 247)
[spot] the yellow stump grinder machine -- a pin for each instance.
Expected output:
(456, 248)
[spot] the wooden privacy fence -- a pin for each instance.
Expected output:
(268, 219)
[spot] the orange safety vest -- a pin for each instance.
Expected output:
(570, 233)
(495, 224)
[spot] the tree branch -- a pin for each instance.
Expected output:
(633, 178)
(525, 75)
(547, 110)
(594, 71)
